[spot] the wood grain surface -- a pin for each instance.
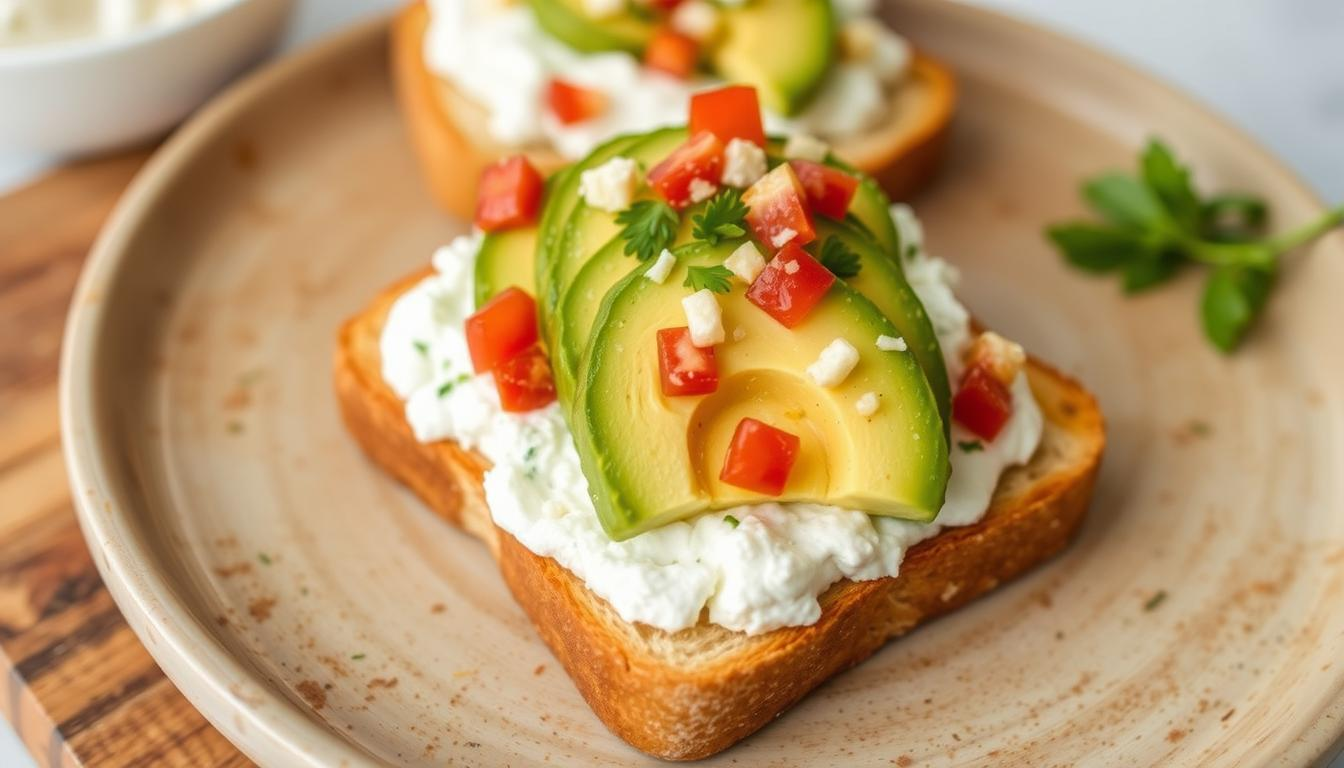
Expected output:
(77, 684)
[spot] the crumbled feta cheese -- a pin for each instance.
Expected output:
(459, 256)
(704, 318)
(696, 19)
(611, 185)
(867, 41)
(891, 343)
(662, 267)
(739, 333)
(791, 267)
(801, 146)
(746, 262)
(601, 9)
(743, 162)
(866, 405)
(834, 363)
(1002, 357)
(908, 228)
(701, 190)
(782, 237)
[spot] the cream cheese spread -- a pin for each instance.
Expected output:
(30, 22)
(762, 574)
(497, 54)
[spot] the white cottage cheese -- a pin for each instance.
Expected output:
(764, 574)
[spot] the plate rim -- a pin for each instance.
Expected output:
(266, 725)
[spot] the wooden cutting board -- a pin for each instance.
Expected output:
(76, 683)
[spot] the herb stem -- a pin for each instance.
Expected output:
(1305, 234)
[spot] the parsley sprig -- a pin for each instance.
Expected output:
(647, 227)
(1156, 224)
(724, 217)
(839, 258)
(716, 278)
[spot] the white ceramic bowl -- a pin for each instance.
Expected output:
(86, 95)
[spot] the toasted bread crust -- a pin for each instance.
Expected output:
(448, 135)
(685, 707)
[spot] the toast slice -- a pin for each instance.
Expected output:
(449, 135)
(689, 694)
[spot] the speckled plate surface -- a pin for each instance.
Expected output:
(318, 615)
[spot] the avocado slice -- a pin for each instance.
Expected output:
(782, 47)
(882, 281)
(651, 460)
(568, 22)
(505, 259)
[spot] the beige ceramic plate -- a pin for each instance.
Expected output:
(319, 615)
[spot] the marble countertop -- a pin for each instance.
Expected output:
(1275, 67)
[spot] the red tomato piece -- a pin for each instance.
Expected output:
(572, 103)
(685, 368)
(729, 113)
(790, 285)
(776, 207)
(701, 157)
(760, 457)
(524, 381)
(504, 327)
(672, 53)
(829, 190)
(983, 403)
(509, 194)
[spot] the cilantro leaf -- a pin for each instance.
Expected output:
(1156, 225)
(1233, 298)
(1169, 181)
(647, 227)
(839, 258)
(716, 278)
(724, 217)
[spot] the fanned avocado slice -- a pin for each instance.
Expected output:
(652, 459)
(568, 22)
(506, 259)
(782, 47)
(882, 281)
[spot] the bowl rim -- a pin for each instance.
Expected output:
(76, 49)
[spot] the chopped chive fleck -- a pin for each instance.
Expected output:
(970, 446)
(531, 453)
(733, 521)
(357, 656)
(264, 558)
(911, 251)
(1155, 600)
(448, 385)
(421, 347)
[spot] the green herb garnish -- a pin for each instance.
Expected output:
(1156, 225)
(716, 278)
(970, 446)
(724, 216)
(733, 521)
(448, 386)
(530, 453)
(839, 258)
(421, 347)
(647, 227)
(1155, 600)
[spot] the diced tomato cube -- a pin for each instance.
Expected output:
(790, 285)
(729, 113)
(685, 368)
(524, 381)
(777, 209)
(760, 457)
(983, 404)
(504, 327)
(672, 53)
(829, 190)
(701, 157)
(509, 194)
(572, 103)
